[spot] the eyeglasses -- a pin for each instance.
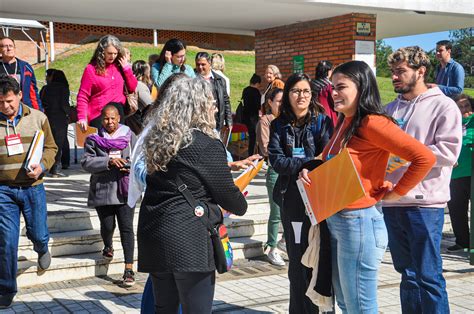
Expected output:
(298, 92)
(7, 46)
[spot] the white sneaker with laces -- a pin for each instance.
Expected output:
(281, 245)
(275, 258)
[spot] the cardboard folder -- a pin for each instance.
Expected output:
(334, 185)
(81, 136)
(245, 177)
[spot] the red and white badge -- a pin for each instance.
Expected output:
(14, 145)
(199, 211)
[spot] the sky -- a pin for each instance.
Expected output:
(425, 41)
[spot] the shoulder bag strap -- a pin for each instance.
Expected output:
(183, 188)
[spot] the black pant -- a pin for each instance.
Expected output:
(59, 130)
(251, 124)
(125, 222)
(293, 217)
(66, 154)
(458, 207)
(194, 291)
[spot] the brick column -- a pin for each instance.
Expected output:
(330, 39)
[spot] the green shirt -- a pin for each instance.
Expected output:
(464, 167)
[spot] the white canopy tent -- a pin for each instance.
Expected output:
(24, 26)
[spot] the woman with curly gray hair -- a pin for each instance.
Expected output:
(104, 80)
(183, 152)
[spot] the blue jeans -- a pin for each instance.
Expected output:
(414, 238)
(358, 242)
(31, 202)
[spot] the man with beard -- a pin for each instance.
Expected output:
(415, 221)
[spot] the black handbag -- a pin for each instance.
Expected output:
(223, 255)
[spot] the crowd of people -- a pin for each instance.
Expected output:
(159, 139)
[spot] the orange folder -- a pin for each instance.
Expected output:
(245, 177)
(81, 136)
(334, 185)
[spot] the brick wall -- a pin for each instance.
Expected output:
(330, 39)
(68, 35)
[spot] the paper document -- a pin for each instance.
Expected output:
(334, 185)
(35, 153)
(81, 136)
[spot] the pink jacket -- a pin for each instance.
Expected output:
(96, 91)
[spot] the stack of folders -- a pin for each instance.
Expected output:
(334, 185)
(35, 153)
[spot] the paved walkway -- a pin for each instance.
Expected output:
(251, 287)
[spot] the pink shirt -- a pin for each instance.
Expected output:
(96, 91)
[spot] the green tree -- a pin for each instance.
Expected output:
(382, 52)
(463, 47)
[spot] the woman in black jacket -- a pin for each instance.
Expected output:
(297, 136)
(55, 100)
(174, 246)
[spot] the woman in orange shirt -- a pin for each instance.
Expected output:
(358, 232)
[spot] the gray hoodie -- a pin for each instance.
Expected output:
(434, 120)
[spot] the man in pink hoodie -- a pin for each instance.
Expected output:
(415, 221)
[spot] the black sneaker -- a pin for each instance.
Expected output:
(44, 260)
(128, 277)
(108, 253)
(455, 248)
(6, 301)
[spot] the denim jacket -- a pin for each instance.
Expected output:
(450, 79)
(282, 139)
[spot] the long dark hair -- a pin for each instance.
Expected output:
(287, 113)
(59, 77)
(369, 101)
(322, 69)
(174, 46)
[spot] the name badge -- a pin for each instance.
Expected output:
(115, 154)
(298, 152)
(14, 145)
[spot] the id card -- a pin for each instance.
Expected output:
(298, 152)
(14, 145)
(115, 154)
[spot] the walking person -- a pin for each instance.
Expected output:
(460, 185)
(274, 98)
(107, 158)
(358, 232)
(55, 99)
(297, 136)
(415, 221)
(107, 78)
(251, 111)
(21, 191)
(182, 151)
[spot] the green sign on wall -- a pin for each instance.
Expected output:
(298, 64)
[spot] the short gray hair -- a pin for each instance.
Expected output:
(186, 105)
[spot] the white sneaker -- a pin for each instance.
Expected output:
(275, 258)
(281, 245)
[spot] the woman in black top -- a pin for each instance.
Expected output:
(174, 246)
(55, 99)
(251, 100)
(298, 136)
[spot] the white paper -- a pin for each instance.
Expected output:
(36, 151)
(297, 230)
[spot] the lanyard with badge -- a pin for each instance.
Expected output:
(297, 152)
(13, 141)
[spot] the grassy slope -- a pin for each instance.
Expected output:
(239, 68)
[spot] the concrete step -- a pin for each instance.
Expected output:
(78, 266)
